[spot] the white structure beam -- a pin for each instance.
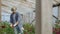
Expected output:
(43, 17)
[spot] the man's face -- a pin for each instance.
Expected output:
(13, 10)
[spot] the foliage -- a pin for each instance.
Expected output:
(56, 29)
(29, 28)
(5, 28)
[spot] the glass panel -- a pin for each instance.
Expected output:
(26, 21)
(55, 23)
(55, 11)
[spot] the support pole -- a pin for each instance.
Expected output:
(43, 17)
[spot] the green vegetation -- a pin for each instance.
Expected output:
(56, 29)
(29, 28)
(6, 29)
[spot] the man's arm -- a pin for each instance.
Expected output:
(11, 25)
(11, 18)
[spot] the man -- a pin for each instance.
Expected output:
(15, 19)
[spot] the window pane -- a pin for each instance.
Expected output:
(55, 11)
(5, 16)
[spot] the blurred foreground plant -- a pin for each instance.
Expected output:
(29, 28)
(5, 28)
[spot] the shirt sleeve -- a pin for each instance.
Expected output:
(18, 17)
(10, 18)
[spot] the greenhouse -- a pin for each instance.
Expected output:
(29, 16)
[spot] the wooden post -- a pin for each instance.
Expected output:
(0, 10)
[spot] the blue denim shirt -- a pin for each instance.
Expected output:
(16, 17)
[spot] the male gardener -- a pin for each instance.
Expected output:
(15, 20)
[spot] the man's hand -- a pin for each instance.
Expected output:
(15, 24)
(11, 26)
